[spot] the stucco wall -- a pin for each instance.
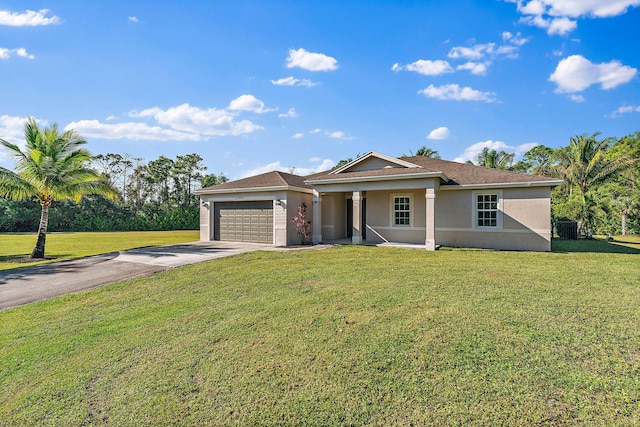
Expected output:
(334, 215)
(525, 220)
(379, 217)
(293, 200)
(205, 221)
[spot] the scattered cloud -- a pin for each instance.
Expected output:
(576, 73)
(12, 128)
(289, 114)
(181, 123)
(577, 98)
(456, 93)
(298, 135)
(472, 151)
(559, 16)
(28, 18)
(626, 109)
(336, 134)
(248, 103)
(133, 19)
(425, 67)
(291, 81)
(130, 130)
(21, 52)
(311, 61)
(322, 165)
(439, 133)
(477, 68)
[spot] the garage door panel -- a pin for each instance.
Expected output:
(244, 221)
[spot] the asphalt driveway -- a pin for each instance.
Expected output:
(29, 284)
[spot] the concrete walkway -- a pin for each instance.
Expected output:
(29, 284)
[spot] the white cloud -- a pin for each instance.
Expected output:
(472, 151)
(559, 16)
(576, 73)
(577, 98)
(181, 123)
(625, 110)
(311, 61)
(323, 165)
(474, 52)
(28, 18)
(477, 68)
(298, 135)
(331, 134)
(12, 128)
(457, 93)
(248, 103)
(129, 130)
(289, 114)
(291, 81)
(439, 133)
(22, 52)
(133, 19)
(425, 67)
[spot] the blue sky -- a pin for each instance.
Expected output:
(254, 86)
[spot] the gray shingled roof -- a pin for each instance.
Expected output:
(268, 179)
(458, 173)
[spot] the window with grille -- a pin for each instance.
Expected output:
(402, 210)
(486, 210)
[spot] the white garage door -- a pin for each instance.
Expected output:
(244, 221)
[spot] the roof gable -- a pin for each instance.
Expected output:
(373, 161)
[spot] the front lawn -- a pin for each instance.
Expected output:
(340, 336)
(76, 245)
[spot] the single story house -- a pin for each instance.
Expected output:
(378, 198)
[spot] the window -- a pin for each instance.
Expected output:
(486, 210)
(402, 210)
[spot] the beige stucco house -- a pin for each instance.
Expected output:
(377, 199)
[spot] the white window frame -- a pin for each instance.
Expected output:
(475, 209)
(393, 210)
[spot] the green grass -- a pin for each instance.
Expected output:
(76, 245)
(341, 336)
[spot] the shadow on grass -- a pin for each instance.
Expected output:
(594, 246)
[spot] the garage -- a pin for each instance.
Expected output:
(244, 221)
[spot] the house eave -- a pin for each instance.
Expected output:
(440, 175)
(453, 187)
(254, 190)
(399, 162)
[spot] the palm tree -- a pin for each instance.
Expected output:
(495, 159)
(583, 164)
(52, 167)
(424, 151)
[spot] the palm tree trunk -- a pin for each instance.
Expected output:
(624, 223)
(38, 251)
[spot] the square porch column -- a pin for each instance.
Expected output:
(430, 241)
(356, 237)
(317, 218)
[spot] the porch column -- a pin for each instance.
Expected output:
(317, 218)
(430, 241)
(356, 238)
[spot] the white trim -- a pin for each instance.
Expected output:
(550, 183)
(392, 208)
(381, 156)
(474, 209)
(493, 230)
(254, 190)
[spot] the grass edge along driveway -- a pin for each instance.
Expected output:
(63, 246)
(344, 336)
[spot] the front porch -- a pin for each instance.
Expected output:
(401, 217)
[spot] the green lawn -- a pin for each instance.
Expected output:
(340, 336)
(75, 245)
